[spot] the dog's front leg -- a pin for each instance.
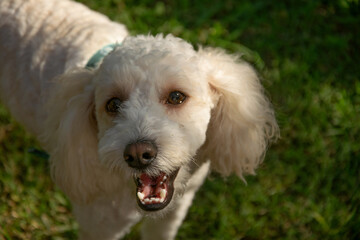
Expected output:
(105, 219)
(166, 228)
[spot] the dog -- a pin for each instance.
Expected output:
(136, 134)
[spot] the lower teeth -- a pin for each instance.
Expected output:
(152, 200)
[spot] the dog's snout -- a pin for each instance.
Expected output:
(140, 154)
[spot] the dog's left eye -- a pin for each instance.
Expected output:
(176, 98)
(113, 105)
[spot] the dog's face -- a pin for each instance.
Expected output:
(153, 107)
(152, 111)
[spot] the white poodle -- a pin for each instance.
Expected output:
(136, 135)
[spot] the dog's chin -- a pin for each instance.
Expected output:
(154, 193)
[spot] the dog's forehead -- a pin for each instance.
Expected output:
(151, 60)
(152, 67)
(147, 50)
(146, 44)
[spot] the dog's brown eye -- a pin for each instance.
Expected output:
(176, 98)
(113, 105)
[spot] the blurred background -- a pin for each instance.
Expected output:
(307, 53)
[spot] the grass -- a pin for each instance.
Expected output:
(308, 186)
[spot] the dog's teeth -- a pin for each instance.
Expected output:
(163, 193)
(147, 200)
(140, 195)
(164, 178)
(162, 200)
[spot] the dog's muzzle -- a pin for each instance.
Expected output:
(152, 192)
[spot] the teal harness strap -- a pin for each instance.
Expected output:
(97, 58)
(39, 153)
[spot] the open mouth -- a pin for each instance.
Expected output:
(155, 193)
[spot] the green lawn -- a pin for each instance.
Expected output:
(308, 53)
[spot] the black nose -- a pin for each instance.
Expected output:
(140, 154)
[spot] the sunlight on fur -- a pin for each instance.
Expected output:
(138, 135)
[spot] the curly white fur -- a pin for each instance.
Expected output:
(226, 118)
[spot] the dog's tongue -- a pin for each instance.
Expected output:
(150, 185)
(154, 193)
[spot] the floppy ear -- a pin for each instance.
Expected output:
(242, 122)
(71, 135)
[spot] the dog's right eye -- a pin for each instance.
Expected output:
(176, 98)
(113, 105)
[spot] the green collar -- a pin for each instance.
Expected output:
(97, 58)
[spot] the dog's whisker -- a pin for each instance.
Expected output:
(193, 160)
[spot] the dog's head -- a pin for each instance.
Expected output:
(152, 110)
